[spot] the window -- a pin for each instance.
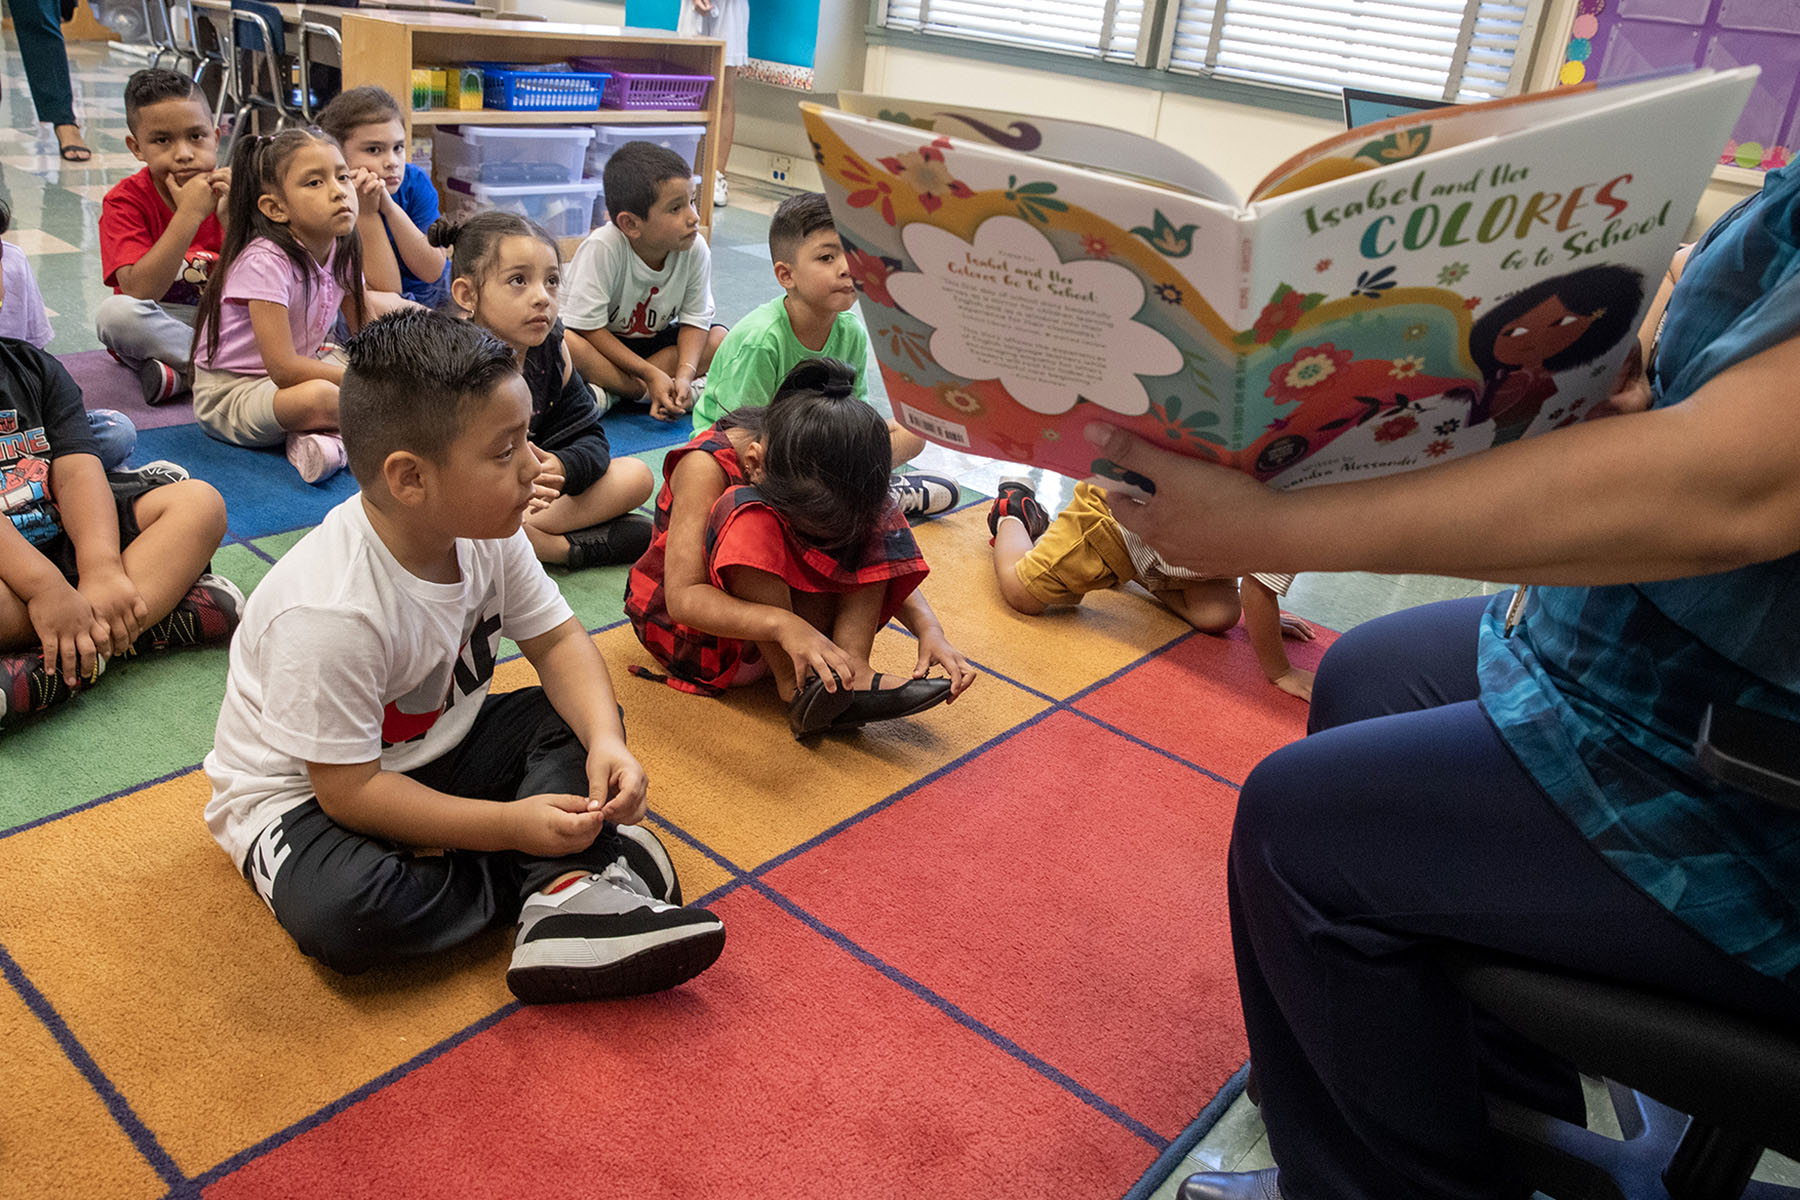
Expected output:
(1456, 50)
(1103, 29)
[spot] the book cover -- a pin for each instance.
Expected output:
(1396, 296)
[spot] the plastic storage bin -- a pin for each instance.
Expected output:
(646, 83)
(520, 89)
(683, 139)
(510, 154)
(563, 209)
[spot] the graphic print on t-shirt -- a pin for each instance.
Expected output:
(25, 479)
(412, 716)
(643, 321)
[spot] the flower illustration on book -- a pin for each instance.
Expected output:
(1291, 381)
(1407, 367)
(1370, 284)
(869, 272)
(1415, 331)
(1034, 199)
(1398, 146)
(1004, 307)
(961, 399)
(1322, 266)
(876, 190)
(1446, 428)
(927, 173)
(1180, 426)
(914, 345)
(1095, 247)
(1275, 324)
(1168, 293)
(1395, 428)
(1167, 238)
(1438, 448)
(1452, 273)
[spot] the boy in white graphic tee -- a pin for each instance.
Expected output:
(639, 289)
(357, 724)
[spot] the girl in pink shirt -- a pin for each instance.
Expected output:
(291, 261)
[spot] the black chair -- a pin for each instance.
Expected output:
(1699, 1092)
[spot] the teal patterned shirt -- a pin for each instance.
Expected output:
(1599, 691)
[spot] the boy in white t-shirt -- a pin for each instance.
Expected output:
(357, 723)
(639, 289)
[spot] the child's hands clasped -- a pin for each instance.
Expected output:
(67, 628)
(119, 611)
(548, 485)
(371, 191)
(553, 824)
(935, 649)
(197, 194)
(668, 399)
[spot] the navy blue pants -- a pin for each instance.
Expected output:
(38, 26)
(1402, 822)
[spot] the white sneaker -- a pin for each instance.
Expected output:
(721, 190)
(608, 935)
(316, 456)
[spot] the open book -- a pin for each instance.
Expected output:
(1397, 295)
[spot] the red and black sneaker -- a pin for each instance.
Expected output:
(208, 613)
(161, 383)
(26, 687)
(1016, 499)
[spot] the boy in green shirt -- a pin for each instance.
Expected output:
(815, 317)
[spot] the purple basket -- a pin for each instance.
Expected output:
(646, 83)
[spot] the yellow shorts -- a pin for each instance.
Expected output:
(1083, 551)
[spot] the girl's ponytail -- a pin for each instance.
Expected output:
(826, 455)
(474, 239)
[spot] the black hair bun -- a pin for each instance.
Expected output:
(443, 231)
(829, 377)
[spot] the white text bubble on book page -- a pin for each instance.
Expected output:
(1006, 307)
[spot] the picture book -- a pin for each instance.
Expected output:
(1397, 295)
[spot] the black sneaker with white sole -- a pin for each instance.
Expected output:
(645, 855)
(605, 936)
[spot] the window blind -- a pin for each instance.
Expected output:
(1458, 50)
(1104, 29)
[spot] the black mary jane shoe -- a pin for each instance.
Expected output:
(815, 710)
(1230, 1185)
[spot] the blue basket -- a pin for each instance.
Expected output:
(518, 90)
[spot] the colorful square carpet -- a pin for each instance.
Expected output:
(979, 953)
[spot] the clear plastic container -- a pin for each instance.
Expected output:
(565, 210)
(683, 139)
(510, 155)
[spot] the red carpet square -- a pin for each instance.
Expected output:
(1206, 700)
(1067, 889)
(788, 1070)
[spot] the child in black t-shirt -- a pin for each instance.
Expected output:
(92, 564)
(504, 273)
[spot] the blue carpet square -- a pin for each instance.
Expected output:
(630, 429)
(263, 494)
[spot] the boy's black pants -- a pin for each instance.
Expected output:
(354, 902)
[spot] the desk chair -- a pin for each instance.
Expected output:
(213, 56)
(1725, 1087)
(320, 80)
(264, 70)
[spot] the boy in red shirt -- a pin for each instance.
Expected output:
(160, 232)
